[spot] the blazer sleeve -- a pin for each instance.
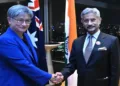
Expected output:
(71, 66)
(115, 62)
(12, 54)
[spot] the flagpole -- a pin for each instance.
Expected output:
(71, 35)
(46, 28)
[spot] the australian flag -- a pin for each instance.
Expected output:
(36, 33)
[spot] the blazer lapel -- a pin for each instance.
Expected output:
(93, 56)
(31, 48)
(23, 46)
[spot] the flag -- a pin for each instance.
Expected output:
(71, 34)
(36, 33)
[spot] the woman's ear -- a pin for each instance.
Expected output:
(9, 20)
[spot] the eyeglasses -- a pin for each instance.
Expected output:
(21, 21)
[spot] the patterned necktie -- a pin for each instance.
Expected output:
(88, 49)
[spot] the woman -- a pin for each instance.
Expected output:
(18, 59)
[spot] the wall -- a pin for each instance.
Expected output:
(98, 4)
(6, 1)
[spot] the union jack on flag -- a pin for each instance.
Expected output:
(36, 33)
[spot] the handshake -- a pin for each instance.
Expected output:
(57, 78)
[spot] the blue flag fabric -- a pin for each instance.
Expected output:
(36, 33)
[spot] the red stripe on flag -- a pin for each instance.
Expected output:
(35, 4)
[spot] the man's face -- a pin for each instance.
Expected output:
(20, 23)
(91, 22)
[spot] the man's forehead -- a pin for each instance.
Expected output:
(90, 15)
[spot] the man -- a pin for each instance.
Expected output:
(18, 58)
(95, 55)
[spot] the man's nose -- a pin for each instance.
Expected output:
(89, 22)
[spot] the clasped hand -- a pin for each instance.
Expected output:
(57, 78)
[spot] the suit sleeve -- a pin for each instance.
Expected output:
(71, 66)
(12, 54)
(115, 62)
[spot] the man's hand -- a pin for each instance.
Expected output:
(57, 78)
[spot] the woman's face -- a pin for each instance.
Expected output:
(20, 23)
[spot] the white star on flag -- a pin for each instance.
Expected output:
(33, 38)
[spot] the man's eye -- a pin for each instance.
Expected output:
(86, 20)
(92, 19)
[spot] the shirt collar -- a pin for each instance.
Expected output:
(95, 35)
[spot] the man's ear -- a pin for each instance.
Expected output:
(81, 20)
(100, 19)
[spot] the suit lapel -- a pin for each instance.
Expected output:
(93, 56)
(22, 45)
(31, 47)
(25, 48)
(81, 49)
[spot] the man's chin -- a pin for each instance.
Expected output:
(91, 30)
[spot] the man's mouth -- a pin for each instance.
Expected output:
(89, 27)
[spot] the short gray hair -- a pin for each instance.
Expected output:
(90, 10)
(16, 10)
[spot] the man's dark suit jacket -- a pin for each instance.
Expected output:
(102, 67)
(18, 62)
